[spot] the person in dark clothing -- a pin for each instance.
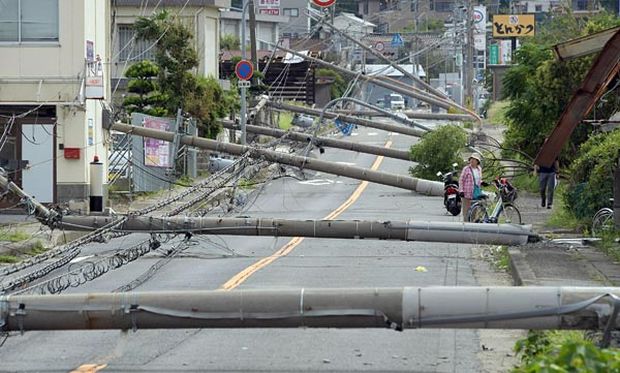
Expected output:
(546, 182)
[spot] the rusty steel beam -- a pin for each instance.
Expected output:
(603, 70)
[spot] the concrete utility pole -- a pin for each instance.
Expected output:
(410, 114)
(348, 118)
(434, 93)
(469, 68)
(395, 117)
(616, 205)
(40, 211)
(244, 107)
(253, 55)
(399, 181)
(394, 308)
(409, 92)
(324, 141)
(455, 232)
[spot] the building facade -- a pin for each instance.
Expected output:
(267, 27)
(54, 55)
(201, 16)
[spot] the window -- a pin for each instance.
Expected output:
(291, 12)
(133, 50)
(28, 20)
(444, 6)
(581, 5)
(538, 8)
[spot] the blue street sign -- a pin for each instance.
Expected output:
(244, 70)
(397, 41)
(345, 128)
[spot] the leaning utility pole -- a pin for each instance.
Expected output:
(409, 114)
(324, 141)
(399, 181)
(409, 92)
(452, 232)
(402, 308)
(348, 118)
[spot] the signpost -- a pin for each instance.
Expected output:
(397, 41)
(244, 70)
(494, 54)
(323, 3)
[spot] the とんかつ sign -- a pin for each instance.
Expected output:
(513, 25)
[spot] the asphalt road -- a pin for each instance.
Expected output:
(211, 261)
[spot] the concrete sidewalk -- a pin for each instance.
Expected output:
(553, 264)
(575, 262)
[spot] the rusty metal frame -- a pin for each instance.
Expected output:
(602, 72)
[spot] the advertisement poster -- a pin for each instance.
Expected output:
(156, 152)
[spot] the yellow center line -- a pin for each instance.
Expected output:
(89, 368)
(240, 277)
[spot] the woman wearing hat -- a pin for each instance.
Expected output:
(471, 176)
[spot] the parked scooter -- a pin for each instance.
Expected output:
(451, 197)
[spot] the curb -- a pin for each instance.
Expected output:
(521, 272)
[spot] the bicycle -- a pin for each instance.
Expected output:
(504, 211)
(603, 221)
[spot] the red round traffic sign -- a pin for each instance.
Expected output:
(323, 3)
(244, 70)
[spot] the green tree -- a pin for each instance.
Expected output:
(147, 98)
(591, 175)
(230, 43)
(338, 87)
(177, 60)
(437, 151)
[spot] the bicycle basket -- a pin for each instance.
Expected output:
(508, 194)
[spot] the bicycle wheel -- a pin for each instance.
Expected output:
(602, 222)
(477, 213)
(509, 215)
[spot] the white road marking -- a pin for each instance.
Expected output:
(373, 133)
(80, 258)
(317, 182)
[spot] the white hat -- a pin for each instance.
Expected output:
(475, 156)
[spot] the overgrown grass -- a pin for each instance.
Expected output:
(13, 236)
(542, 342)
(526, 182)
(561, 216)
(564, 351)
(497, 111)
(500, 260)
(610, 246)
(37, 249)
(284, 120)
(8, 259)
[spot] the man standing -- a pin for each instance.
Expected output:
(546, 182)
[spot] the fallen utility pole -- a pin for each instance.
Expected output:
(409, 114)
(323, 141)
(455, 232)
(359, 173)
(347, 118)
(40, 211)
(432, 93)
(408, 91)
(394, 308)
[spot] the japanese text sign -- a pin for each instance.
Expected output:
(513, 25)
